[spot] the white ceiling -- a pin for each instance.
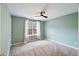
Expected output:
(30, 10)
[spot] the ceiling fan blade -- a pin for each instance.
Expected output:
(45, 16)
(45, 7)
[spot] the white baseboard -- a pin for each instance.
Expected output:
(64, 44)
(9, 51)
(18, 43)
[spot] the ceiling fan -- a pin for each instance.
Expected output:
(43, 12)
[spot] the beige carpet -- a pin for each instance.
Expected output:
(42, 48)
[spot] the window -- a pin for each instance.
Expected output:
(32, 29)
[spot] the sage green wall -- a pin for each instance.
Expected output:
(18, 28)
(63, 29)
(78, 28)
(18, 25)
(0, 29)
(5, 30)
(42, 29)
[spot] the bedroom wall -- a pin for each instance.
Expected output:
(42, 29)
(78, 27)
(18, 24)
(63, 29)
(5, 30)
(0, 29)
